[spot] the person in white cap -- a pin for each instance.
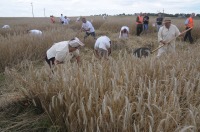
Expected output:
(166, 36)
(6, 26)
(88, 28)
(34, 32)
(102, 47)
(63, 51)
(124, 33)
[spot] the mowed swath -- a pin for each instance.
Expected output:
(122, 94)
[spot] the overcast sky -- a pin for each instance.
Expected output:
(22, 8)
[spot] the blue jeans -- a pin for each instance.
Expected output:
(146, 27)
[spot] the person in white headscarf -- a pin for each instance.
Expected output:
(64, 51)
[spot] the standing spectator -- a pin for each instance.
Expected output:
(124, 33)
(139, 22)
(88, 28)
(146, 22)
(189, 23)
(102, 47)
(66, 22)
(62, 19)
(52, 19)
(159, 21)
(166, 36)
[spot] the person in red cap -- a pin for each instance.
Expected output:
(63, 51)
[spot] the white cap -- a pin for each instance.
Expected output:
(75, 42)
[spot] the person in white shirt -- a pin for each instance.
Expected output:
(166, 36)
(66, 22)
(102, 47)
(6, 26)
(124, 32)
(62, 19)
(34, 32)
(63, 51)
(88, 28)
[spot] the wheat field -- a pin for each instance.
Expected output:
(123, 94)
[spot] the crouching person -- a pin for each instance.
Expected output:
(62, 51)
(124, 33)
(102, 47)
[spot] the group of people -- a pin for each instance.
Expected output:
(63, 19)
(66, 50)
(167, 33)
(142, 22)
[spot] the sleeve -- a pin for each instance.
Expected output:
(89, 25)
(160, 34)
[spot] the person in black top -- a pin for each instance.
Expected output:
(146, 22)
(159, 21)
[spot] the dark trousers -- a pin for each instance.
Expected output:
(188, 35)
(50, 61)
(139, 29)
(88, 34)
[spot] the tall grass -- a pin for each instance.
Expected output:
(122, 94)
